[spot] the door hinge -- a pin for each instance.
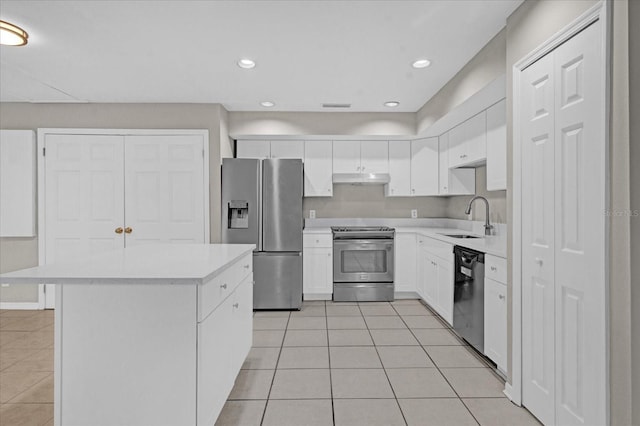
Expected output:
(44, 289)
(44, 151)
(203, 153)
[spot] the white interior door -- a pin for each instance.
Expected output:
(564, 259)
(538, 182)
(164, 189)
(580, 244)
(84, 211)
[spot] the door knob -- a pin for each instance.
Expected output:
(119, 230)
(128, 230)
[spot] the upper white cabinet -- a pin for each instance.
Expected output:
(318, 170)
(468, 142)
(262, 149)
(360, 157)
(497, 146)
(424, 166)
(454, 181)
(17, 183)
(253, 149)
(399, 169)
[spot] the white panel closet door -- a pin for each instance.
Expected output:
(84, 195)
(538, 239)
(164, 189)
(580, 244)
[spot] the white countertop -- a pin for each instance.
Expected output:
(147, 264)
(494, 245)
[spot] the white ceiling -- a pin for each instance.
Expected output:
(307, 52)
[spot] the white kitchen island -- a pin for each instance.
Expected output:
(148, 335)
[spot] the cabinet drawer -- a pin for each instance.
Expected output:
(495, 268)
(211, 294)
(436, 247)
(317, 240)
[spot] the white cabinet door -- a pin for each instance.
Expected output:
(318, 170)
(453, 181)
(495, 322)
(253, 149)
(399, 169)
(346, 156)
(497, 146)
(424, 166)
(242, 323)
(430, 279)
(405, 262)
(467, 142)
(445, 290)
(374, 157)
(164, 189)
(422, 268)
(17, 183)
(287, 149)
(317, 276)
(215, 376)
(84, 195)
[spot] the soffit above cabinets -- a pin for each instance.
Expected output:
(307, 52)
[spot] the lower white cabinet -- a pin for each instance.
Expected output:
(405, 262)
(495, 322)
(224, 341)
(435, 276)
(317, 262)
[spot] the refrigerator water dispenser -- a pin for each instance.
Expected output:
(238, 215)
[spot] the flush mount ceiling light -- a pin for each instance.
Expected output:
(391, 104)
(246, 63)
(12, 35)
(267, 104)
(421, 63)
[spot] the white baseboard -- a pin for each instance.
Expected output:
(317, 296)
(508, 391)
(406, 295)
(20, 305)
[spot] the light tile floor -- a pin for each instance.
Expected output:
(365, 364)
(328, 364)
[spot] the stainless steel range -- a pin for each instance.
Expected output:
(363, 259)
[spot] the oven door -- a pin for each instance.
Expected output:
(363, 260)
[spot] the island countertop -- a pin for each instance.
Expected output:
(146, 264)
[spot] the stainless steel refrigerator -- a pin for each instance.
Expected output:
(262, 205)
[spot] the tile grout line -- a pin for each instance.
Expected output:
(395, 397)
(275, 370)
(441, 373)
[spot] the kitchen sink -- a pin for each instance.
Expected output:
(461, 236)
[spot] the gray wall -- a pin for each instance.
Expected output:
(497, 202)
(17, 253)
(634, 112)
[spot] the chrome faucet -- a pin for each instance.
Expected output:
(487, 226)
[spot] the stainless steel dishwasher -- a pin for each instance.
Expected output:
(468, 296)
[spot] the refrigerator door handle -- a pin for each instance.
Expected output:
(261, 204)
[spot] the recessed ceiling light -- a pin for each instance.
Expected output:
(392, 104)
(267, 104)
(246, 63)
(421, 63)
(12, 35)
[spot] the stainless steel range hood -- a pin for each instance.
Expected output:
(361, 178)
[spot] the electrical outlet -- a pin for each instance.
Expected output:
(414, 214)
(312, 214)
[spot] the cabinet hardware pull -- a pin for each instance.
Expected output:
(501, 296)
(539, 261)
(128, 230)
(246, 266)
(224, 286)
(493, 268)
(235, 305)
(119, 230)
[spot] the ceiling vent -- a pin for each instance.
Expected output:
(336, 105)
